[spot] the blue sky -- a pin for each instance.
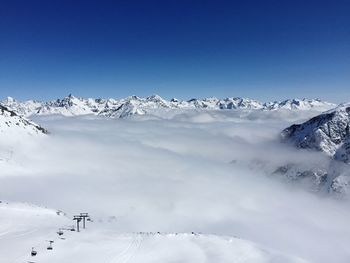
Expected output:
(260, 49)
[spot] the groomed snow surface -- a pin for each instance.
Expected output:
(25, 226)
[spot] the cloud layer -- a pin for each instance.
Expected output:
(199, 171)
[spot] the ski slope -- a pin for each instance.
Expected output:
(24, 226)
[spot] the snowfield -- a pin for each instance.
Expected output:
(26, 226)
(23, 226)
(176, 172)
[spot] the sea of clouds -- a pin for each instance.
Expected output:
(208, 172)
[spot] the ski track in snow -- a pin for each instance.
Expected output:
(126, 255)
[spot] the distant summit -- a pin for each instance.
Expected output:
(133, 105)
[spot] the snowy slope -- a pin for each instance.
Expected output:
(159, 248)
(24, 226)
(133, 105)
(326, 132)
(12, 124)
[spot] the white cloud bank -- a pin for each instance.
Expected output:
(177, 175)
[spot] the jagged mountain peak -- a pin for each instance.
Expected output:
(72, 105)
(325, 132)
(329, 133)
(300, 104)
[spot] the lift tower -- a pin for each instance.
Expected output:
(78, 218)
(84, 216)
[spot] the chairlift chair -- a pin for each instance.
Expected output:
(50, 245)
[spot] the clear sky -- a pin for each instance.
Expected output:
(259, 49)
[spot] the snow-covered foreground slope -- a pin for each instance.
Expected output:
(192, 172)
(25, 226)
(133, 105)
(109, 247)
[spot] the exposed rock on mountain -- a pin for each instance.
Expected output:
(326, 132)
(316, 176)
(329, 133)
(11, 123)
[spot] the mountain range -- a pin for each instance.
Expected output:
(328, 132)
(133, 105)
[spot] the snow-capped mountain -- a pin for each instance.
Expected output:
(327, 132)
(296, 104)
(11, 123)
(25, 108)
(133, 105)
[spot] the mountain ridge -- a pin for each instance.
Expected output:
(11, 122)
(133, 105)
(328, 133)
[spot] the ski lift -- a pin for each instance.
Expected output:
(33, 253)
(60, 232)
(50, 245)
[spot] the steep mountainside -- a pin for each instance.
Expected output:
(11, 123)
(329, 133)
(133, 105)
(326, 132)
